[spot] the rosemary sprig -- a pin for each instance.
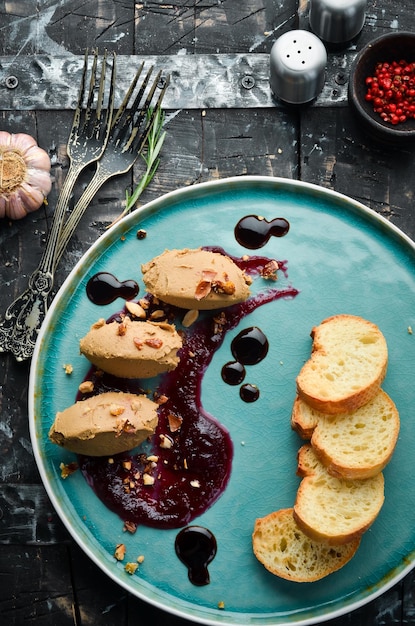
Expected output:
(151, 158)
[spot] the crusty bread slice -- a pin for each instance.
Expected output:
(304, 418)
(347, 365)
(284, 550)
(333, 509)
(353, 445)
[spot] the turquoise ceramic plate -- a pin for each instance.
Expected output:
(343, 258)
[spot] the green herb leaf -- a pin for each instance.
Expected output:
(151, 158)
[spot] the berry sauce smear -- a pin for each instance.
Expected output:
(191, 452)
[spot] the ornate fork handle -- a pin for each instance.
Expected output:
(24, 316)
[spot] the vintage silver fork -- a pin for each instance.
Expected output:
(129, 131)
(86, 143)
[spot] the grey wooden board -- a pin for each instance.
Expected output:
(202, 81)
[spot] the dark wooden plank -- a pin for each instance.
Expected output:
(58, 26)
(408, 599)
(36, 586)
(184, 26)
(27, 516)
(338, 154)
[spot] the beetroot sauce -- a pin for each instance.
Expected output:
(192, 474)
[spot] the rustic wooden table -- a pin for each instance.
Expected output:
(219, 123)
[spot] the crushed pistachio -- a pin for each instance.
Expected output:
(67, 469)
(131, 568)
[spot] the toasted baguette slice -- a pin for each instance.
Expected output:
(353, 445)
(304, 418)
(334, 509)
(347, 365)
(285, 551)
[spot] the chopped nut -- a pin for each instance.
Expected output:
(135, 309)
(122, 328)
(409, 330)
(160, 399)
(130, 527)
(227, 287)
(141, 233)
(148, 480)
(154, 343)
(203, 289)
(68, 368)
(190, 317)
(165, 442)
(140, 559)
(144, 303)
(269, 271)
(209, 275)
(86, 387)
(131, 568)
(221, 605)
(219, 322)
(138, 343)
(99, 323)
(117, 409)
(124, 426)
(195, 483)
(152, 458)
(67, 469)
(127, 465)
(175, 422)
(111, 460)
(157, 314)
(185, 464)
(120, 551)
(135, 404)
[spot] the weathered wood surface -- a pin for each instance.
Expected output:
(203, 81)
(46, 578)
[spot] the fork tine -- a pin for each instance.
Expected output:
(91, 91)
(138, 140)
(77, 115)
(98, 127)
(128, 95)
(122, 125)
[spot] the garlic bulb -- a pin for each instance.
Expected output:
(24, 175)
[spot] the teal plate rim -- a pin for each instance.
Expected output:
(331, 236)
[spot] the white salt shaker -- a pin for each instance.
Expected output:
(297, 67)
(337, 21)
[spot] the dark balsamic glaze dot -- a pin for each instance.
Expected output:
(196, 547)
(104, 288)
(249, 393)
(253, 231)
(233, 373)
(250, 346)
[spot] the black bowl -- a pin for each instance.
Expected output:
(390, 47)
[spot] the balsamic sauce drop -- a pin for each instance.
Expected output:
(196, 547)
(233, 373)
(104, 288)
(253, 231)
(250, 346)
(249, 393)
